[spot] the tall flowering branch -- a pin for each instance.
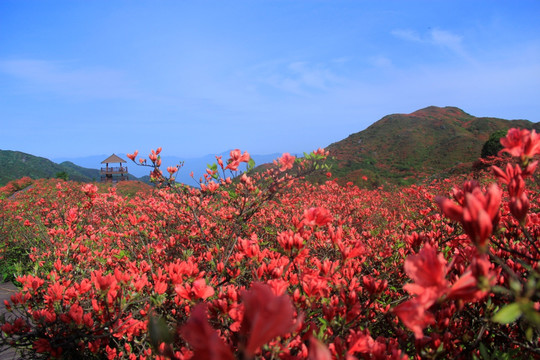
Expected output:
(477, 210)
(523, 144)
(428, 270)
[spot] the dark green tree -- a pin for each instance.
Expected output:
(62, 175)
(493, 145)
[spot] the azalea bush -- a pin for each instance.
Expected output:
(262, 264)
(14, 186)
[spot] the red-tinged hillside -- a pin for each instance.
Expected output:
(404, 148)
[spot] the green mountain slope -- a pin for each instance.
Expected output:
(76, 170)
(402, 148)
(16, 164)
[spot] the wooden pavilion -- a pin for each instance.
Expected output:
(114, 173)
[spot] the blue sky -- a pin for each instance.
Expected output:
(79, 78)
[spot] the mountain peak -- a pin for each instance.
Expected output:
(412, 146)
(436, 111)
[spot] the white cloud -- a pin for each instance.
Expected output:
(298, 77)
(447, 40)
(407, 34)
(382, 62)
(64, 79)
(436, 37)
(341, 60)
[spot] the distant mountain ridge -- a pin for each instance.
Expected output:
(16, 164)
(405, 147)
(196, 164)
(399, 148)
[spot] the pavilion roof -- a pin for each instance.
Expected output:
(113, 159)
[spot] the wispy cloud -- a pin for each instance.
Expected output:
(381, 62)
(64, 78)
(448, 40)
(407, 34)
(298, 77)
(436, 37)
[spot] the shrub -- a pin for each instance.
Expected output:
(264, 265)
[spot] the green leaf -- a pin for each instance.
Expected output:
(121, 254)
(484, 352)
(515, 286)
(159, 331)
(530, 313)
(529, 333)
(508, 314)
(501, 290)
(158, 300)
(251, 164)
(323, 327)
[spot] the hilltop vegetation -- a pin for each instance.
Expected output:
(403, 148)
(16, 164)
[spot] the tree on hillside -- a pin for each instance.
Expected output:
(62, 175)
(493, 145)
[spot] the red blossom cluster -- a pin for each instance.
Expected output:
(264, 265)
(236, 158)
(428, 270)
(521, 143)
(285, 162)
(476, 210)
(14, 186)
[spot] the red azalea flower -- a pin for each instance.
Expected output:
(265, 316)
(521, 143)
(42, 346)
(428, 271)
(317, 350)
(201, 289)
(360, 341)
(512, 178)
(466, 288)
(101, 282)
(316, 216)
(205, 341)
(413, 313)
(133, 156)
(55, 292)
(519, 206)
(286, 162)
(478, 211)
(236, 158)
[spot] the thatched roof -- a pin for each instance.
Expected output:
(113, 159)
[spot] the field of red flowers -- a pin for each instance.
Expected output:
(263, 265)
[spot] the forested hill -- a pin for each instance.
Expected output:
(16, 164)
(404, 147)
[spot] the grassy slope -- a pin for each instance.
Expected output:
(401, 148)
(15, 164)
